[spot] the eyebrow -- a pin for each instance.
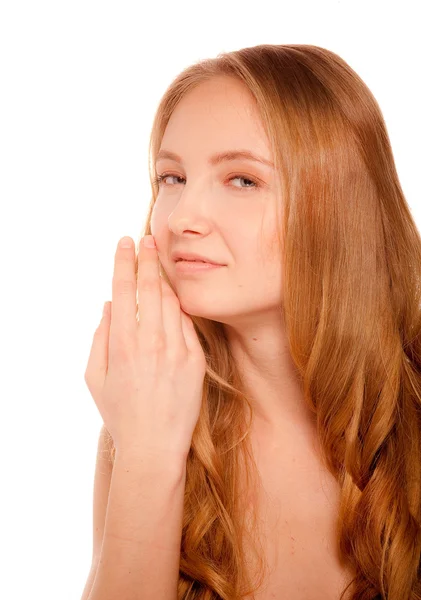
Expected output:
(219, 157)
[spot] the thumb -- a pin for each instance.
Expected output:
(97, 366)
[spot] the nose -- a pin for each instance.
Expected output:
(191, 212)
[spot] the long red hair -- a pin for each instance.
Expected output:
(352, 309)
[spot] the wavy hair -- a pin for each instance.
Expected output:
(351, 257)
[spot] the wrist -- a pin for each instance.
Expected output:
(150, 458)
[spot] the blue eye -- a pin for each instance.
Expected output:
(160, 180)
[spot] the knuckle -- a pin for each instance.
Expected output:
(119, 360)
(125, 287)
(166, 287)
(176, 356)
(174, 303)
(123, 260)
(168, 293)
(149, 283)
(121, 348)
(156, 342)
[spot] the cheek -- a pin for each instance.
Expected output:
(159, 220)
(161, 212)
(159, 230)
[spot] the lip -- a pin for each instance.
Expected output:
(191, 256)
(190, 266)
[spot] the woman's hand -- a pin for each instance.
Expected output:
(146, 375)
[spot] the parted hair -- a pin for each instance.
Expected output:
(351, 260)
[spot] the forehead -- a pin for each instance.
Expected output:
(218, 114)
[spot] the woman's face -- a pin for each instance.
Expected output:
(223, 210)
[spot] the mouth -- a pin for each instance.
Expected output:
(195, 260)
(195, 266)
(198, 261)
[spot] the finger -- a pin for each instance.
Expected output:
(123, 311)
(149, 294)
(171, 320)
(192, 340)
(97, 366)
(188, 331)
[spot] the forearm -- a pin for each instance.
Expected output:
(140, 555)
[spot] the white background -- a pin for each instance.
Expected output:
(79, 84)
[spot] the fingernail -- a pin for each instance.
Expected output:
(149, 241)
(126, 242)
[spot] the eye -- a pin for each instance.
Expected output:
(160, 179)
(255, 184)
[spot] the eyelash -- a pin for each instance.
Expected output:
(158, 180)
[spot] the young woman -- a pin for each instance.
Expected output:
(258, 371)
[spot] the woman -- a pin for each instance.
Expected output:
(284, 383)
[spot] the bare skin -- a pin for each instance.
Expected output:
(297, 506)
(205, 208)
(215, 211)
